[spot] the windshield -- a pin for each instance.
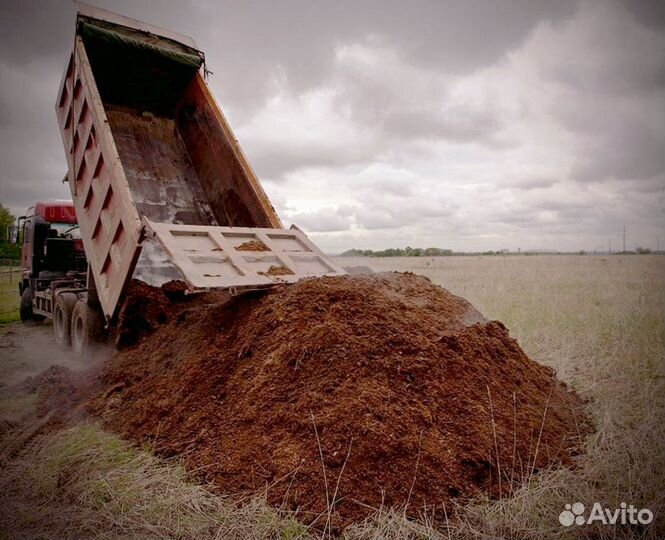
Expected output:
(71, 229)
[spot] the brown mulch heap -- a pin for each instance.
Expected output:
(352, 391)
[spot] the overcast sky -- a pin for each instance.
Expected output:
(472, 125)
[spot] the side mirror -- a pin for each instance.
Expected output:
(12, 232)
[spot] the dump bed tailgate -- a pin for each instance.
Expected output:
(241, 257)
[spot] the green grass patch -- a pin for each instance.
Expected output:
(9, 298)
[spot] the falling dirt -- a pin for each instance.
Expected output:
(344, 393)
(146, 308)
(252, 245)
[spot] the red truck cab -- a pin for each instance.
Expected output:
(59, 215)
(51, 251)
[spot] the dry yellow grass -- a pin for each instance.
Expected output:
(85, 483)
(598, 321)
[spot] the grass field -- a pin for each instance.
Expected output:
(9, 298)
(598, 321)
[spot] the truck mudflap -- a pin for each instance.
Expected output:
(213, 257)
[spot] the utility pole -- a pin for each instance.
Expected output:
(624, 238)
(609, 250)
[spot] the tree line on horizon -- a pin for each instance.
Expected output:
(399, 252)
(439, 252)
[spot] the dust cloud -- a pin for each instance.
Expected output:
(38, 377)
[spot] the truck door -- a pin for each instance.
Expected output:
(26, 248)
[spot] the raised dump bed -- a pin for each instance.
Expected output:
(146, 143)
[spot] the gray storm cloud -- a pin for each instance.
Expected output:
(462, 124)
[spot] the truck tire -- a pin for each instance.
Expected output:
(27, 316)
(62, 318)
(87, 327)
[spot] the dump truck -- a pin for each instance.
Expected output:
(52, 257)
(160, 186)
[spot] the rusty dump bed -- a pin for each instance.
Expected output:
(146, 142)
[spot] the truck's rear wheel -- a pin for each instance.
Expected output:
(87, 327)
(28, 317)
(62, 318)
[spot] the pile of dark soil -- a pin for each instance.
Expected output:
(348, 392)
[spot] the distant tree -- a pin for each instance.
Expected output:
(6, 219)
(643, 251)
(7, 250)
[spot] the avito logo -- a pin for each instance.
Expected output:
(574, 514)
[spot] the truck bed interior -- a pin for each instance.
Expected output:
(179, 161)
